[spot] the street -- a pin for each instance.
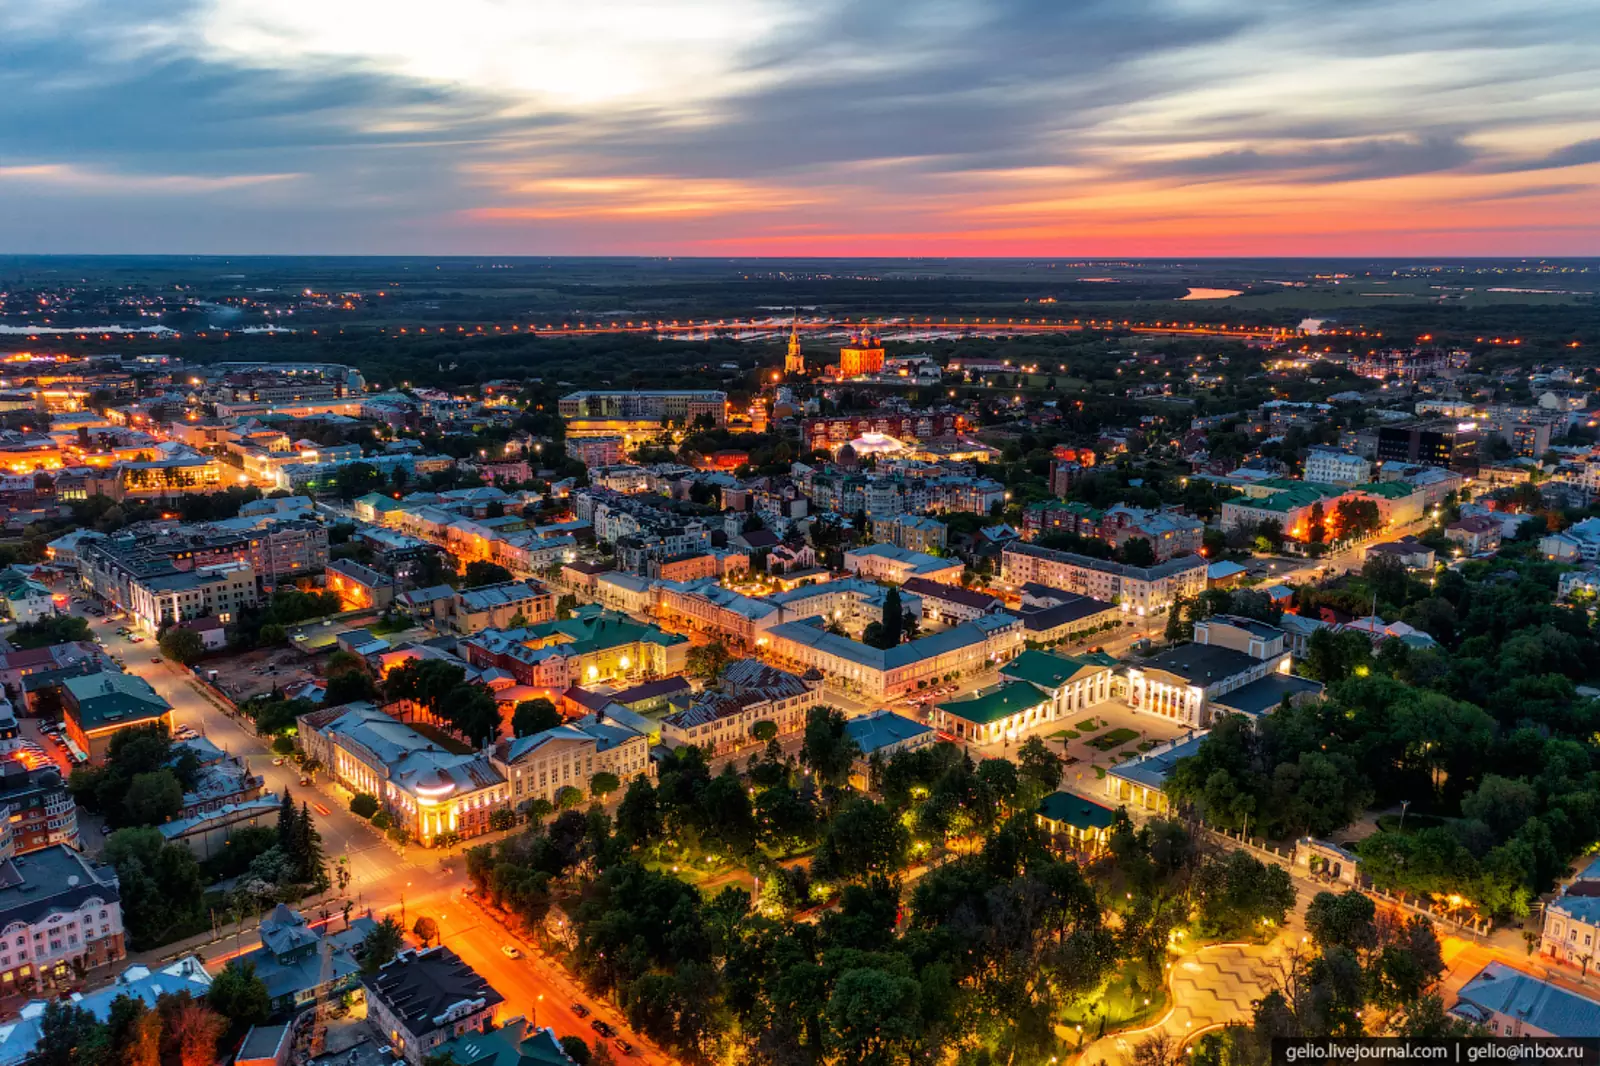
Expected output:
(381, 879)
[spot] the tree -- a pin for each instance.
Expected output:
(1174, 631)
(534, 716)
(363, 805)
(427, 930)
(1316, 525)
(356, 479)
(1342, 920)
(765, 731)
(568, 798)
(159, 882)
(827, 749)
(480, 572)
(135, 1032)
(707, 661)
(863, 839)
(1136, 551)
(69, 1035)
(603, 784)
(576, 1050)
(381, 944)
(239, 995)
(192, 1028)
(639, 813)
(1241, 895)
(893, 618)
(873, 1017)
(153, 798)
(182, 645)
(54, 629)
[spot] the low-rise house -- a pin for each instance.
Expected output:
(300, 962)
(1510, 1003)
(360, 587)
(24, 599)
(880, 736)
(19, 1037)
(1076, 824)
(515, 1043)
(502, 606)
(960, 651)
(998, 713)
(95, 707)
(38, 806)
(1475, 534)
(422, 999)
(1141, 782)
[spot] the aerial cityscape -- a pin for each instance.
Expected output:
(770, 535)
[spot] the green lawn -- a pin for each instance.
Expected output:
(1115, 738)
(1121, 1004)
(1099, 773)
(1088, 725)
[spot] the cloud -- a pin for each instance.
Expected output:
(623, 125)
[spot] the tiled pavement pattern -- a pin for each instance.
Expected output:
(1213, 985)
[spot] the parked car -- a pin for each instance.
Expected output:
(277, 762)
(603, 1028)
(623, 1046)
(580, 1010)
(510, 952)
(156, 659)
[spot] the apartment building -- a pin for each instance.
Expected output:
(39, 808)
(875, 673)
(422, 999)
(887, 562)
(61, 914)
(503, 606)
(678, 406)
(220, 591)
(707, 607)
(917, 533)
(1137, 590)
(749, 691)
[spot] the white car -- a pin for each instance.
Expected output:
(510, 952)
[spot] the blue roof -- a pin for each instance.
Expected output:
(1151, 769)
(1590, 872)
(1582, 908)
(1501, 990)
(880, 729)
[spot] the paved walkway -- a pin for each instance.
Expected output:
(1208, 988)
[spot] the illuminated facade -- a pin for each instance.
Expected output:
(794, 361)
(863, 355)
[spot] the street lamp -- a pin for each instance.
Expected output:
(1403, 805)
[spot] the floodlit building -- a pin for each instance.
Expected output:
(422, 999)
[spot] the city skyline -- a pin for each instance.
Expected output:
(774, 128)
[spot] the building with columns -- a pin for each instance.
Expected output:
(1235, 666)
(1073, 683)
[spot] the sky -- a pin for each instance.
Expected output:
(1094, 128)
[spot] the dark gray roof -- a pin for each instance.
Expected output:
(40, 883)
(419, 986)
(1200, 664)
(1259, 697)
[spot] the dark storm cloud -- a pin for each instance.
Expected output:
(1358, 161)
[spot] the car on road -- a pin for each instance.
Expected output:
(277, 762)
(603, 1028)
(135, 640)
(623, 1046)
(580, 1010)
(510, 952)
(156, 659)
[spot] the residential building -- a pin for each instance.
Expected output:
(685, 567)
(949, 604)
(517, 1042)
(1474, 534)
(917, 533)
(19, 1037)
(208, 831)
(503, 606)
(887, 562)
(1335, 466)
(720, 720)
(220, 591)
(594, 646)
(60, 914)
(23, 599)
(706, 607)
(300, 962)
(1136, 590)
(543, 765)
(1075, 824)
(38, 806)
(1409, 552)
(1510, 1003)
(1168, 532)
(266, 1045)
(881, 735)
(1054, 616)
(95, 707)
(960, 651)
(850, 603)
(360, 587)
(1571, 932)
(422, 999)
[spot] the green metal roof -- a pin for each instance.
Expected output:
(1011, 698)
(1050, 671)
(1076, 811)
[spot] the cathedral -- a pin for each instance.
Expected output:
(863, 355)
(794, 362)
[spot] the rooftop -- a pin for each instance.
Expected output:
(1499, 989)
(1152, 768)
(1259, 697)
(882, 728)
(1076, 811)
(421, 987)
(1002, 701)
(1199, 664)
(1050, 671)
